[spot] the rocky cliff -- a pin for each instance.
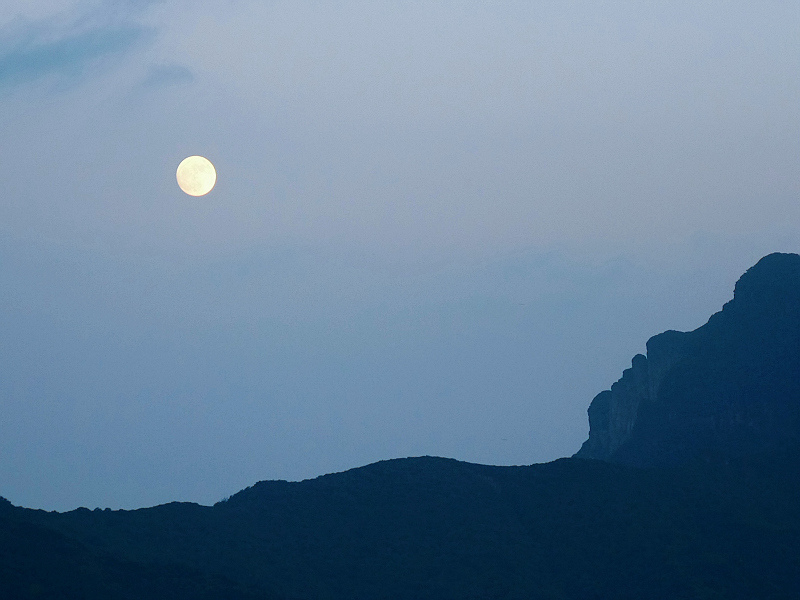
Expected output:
(729, 387)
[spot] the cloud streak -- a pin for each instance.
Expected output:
(69, 57)
(66, 47)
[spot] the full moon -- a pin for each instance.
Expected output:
(196, 175)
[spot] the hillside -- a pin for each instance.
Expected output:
(437, 528)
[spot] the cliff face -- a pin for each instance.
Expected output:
(729, 387)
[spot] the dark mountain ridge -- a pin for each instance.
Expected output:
(695, 496)
(437, 528)
(729, 387)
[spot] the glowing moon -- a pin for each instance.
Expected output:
(196, 175)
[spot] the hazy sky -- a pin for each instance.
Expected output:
(438, 228)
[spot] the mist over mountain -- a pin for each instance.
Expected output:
(686, 488)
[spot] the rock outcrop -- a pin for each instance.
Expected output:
(728, 388)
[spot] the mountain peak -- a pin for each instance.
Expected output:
(774, 278)
(727, 388)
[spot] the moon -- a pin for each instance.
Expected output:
(196, 175)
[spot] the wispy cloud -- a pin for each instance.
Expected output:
(68, 57)
(64, 47)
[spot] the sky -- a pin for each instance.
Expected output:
(438, 228)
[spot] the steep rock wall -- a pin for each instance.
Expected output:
(731, 386)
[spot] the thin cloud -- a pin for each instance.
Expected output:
(69, 57)
(65, 47)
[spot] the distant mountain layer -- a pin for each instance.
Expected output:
(730, 387)
(712, 415)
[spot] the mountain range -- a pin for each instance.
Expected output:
(686, 488)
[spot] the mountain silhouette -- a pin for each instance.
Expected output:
(729, 387)
(686, 488)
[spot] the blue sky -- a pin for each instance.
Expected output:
(437, 228)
